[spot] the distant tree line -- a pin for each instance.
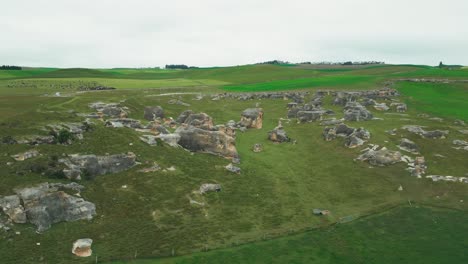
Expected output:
(347, 63)
(325, 62)
(179, 66)
(274, 62)
(10, 67)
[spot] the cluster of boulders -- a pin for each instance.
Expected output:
(91, 165)
(108, 110)
(417, 167)
(353, 136)
(447, 178)
(46, 204)
(309, 112)
(379, 157)
(354, 111)
(434, 134)
(460, 144)
(63, 133)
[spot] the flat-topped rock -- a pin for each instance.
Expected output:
(46, 204)
(93, 165)
(252, 118)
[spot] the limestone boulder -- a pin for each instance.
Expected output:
(153, 112)
(82, 247)
(200, 140)
(278, 135)
(46, 204)
(93, 165)
(381, 157)
(210, 187)
(252, 118)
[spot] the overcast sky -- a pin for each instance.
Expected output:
(137, 33)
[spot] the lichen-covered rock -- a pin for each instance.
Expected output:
(201, 140)
(434, 134)
(12, 207)
(278, 135)
(233, 168)
(153, 112)
(26, 155)
(252, 118)
(112, 110)
(82, 247)
(45, 204)
(124, 122)
(354, 111)
(408, 146)
(381, 107)
(210, 187)
(309, 116)
(171, 139)
(93, 165)
(199, 120)
(382, 157)
(257, 147)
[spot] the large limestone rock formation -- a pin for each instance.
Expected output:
(252, 118)
(201, 140)
(46, 204)
(199, 120)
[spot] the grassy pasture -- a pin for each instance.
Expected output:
(272, 197)
(401, 235)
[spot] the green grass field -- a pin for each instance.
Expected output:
(401, 235)
(274, 195)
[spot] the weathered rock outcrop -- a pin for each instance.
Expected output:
(26, 155)
(252, 118)
(353, 137)
(210, 187)
(434, 134)
(460, 144)
(124, 122)
(310, 116)
(92, 165)
(278, 135)
(437, 178)
(257, 148)
(382, 157)
(46, 204)
(233, 168)
(354, 111)
(112, 110)
(82, 247)
(408, 146)
(201, 140)
(381, 107)
(199, 120)
(153, 112)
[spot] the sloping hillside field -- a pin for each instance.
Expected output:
(247, 164)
